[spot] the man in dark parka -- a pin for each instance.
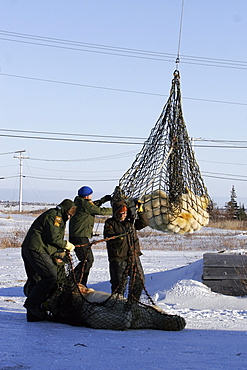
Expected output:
(120, 249)
(42, 251)
(81, 227)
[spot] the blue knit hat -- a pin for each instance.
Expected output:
(84, 191)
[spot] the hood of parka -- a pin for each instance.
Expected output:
(116, 206)
(65, 206)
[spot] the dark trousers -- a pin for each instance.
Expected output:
(119, 277)
(42, 275)
(86, 258)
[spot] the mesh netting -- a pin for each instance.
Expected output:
(165, 174)
(73, 304)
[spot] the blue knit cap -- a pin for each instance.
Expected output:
(84, 191)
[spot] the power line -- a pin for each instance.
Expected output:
(114, 89)
(122, 170)
(8, 152)
(82, 171)
(70, 140)
(110, 142)
(118, 51)
(224, 178)
(9, 177)
(62, 179)
(220, 140)
(231, 163)
(101, 158)
(219, 146)
(224, 174)
(111, 136)
(83, 85)
(70, 134)
(205, 174)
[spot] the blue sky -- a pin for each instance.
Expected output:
(85, 90)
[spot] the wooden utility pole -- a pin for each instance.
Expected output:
(20, 157)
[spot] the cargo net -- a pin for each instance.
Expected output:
(74, 304)
(165, 174)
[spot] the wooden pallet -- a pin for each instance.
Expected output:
(225, 273)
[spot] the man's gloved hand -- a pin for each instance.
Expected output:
(107, 198)
(60, 254)
(139, 205)
(69, 246)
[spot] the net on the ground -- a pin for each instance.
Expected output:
(71, 304)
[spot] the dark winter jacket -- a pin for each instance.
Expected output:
(118, 249)
(46, 234)
(81, 224)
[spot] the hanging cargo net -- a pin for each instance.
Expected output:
(166, 176)
(74, 304)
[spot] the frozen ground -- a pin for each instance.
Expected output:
(215, 336)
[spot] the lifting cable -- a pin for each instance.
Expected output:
(180, 35)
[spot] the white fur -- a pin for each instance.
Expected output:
(96, 296)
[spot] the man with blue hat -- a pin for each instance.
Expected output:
(81, 227)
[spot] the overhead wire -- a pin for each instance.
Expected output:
(223, 178)
(71, 140)
(120, 51)
(230, 63)
(218, 140)
(224, 174)
(7, 152)
(205, 174)
(112, 142)
(228, 163)
(70, 134)
(81, 171)
(100, 158)
(108, 136)
(220, 146)
(154, 55)
(233, 144)
(115, 89)
(64, 179)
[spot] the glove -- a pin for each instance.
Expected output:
(60, 254)
(69, 246)
(107, 198)
(139, 205)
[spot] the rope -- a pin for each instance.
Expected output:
(85, 259)
(180, 35)
(103, 240)
(71, 268)
(83, 266)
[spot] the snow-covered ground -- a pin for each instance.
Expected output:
(215, 336)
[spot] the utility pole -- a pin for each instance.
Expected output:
(193, 139)
(20, 157)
